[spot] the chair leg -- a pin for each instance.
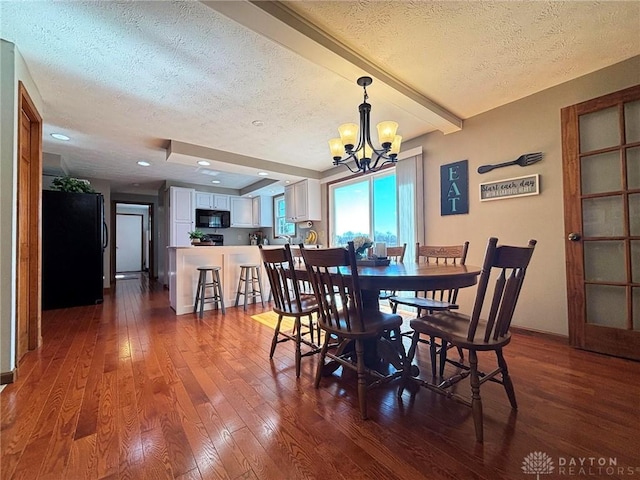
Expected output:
(260, 287)
(506, 380)
(323, 354)
(409, 360)
(311, 329)
(218, 290)
(203, 290)
(298, 327)
(432, 352)
(444, 346)
(247, 281)
(362, 379)
(197, 300)
(276, 332)
(476, 401)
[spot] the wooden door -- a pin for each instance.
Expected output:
(129, 242)
(29, 206)
(601, 168)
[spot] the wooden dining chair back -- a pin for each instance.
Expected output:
(441, 255)
(395, 255)
(508, 265)
(434, 300)
(289, 301)
(333, 274)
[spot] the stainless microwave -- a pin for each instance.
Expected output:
(213, 218)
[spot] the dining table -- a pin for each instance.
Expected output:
(411, 277)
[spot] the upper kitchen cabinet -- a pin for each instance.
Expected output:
(212, 201)
(181, 216)
(302, 201)
(262, 211)
(241, 212)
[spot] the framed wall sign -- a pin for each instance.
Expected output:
(454, 188)
(510, 187)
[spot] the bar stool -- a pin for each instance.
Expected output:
(249, 284)
(217, 297)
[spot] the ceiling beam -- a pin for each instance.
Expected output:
(281, 24)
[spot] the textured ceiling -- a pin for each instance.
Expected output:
(123, 79)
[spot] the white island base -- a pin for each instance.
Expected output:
(183, 273)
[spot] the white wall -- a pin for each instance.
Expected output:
(12, 70)
(528, 125)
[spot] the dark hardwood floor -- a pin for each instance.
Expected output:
(128, 390)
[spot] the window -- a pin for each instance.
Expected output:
(280, 224)
(365, 206)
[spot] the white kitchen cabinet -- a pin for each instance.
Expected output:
(181, 215)
(262, 211)
(302, 201)
(241, 212)
(212, 201)
(221, 202)
(204, 200)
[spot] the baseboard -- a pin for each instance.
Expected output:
(8, 377)
(555, 337)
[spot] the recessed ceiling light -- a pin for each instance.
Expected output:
(287, 181)
(215, 181)
(60, 136)
(263, 174)
(204, 163)
(142, 163)
(257, 123)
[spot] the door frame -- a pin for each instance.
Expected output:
(31, 213)
(112, 247)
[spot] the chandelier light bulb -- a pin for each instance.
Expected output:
(348, 135)
(395, 146)
(387, 132)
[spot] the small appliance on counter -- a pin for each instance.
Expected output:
(214, 239)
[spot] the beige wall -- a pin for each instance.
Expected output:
(528, 125)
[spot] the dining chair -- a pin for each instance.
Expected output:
(289, 301)
(508, 265)
(395, 255)
(333, 274)
(434, 300)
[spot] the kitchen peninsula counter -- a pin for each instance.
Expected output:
(183, 273)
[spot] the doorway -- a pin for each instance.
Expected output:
(28, 287)
(601, 168)
(132, 251)
(129, 243)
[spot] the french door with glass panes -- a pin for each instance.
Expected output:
(601, 168)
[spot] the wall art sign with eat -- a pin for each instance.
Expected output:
(454, 188)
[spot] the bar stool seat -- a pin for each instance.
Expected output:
(217, 297)
(249, 284)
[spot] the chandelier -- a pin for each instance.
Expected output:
(365, 156)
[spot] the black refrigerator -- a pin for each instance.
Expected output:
(74, 240)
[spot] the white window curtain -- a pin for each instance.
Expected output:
(410, 188)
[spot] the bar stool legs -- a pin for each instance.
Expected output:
(217, 297)
(249, 284)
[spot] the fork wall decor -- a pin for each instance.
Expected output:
(523, 160)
